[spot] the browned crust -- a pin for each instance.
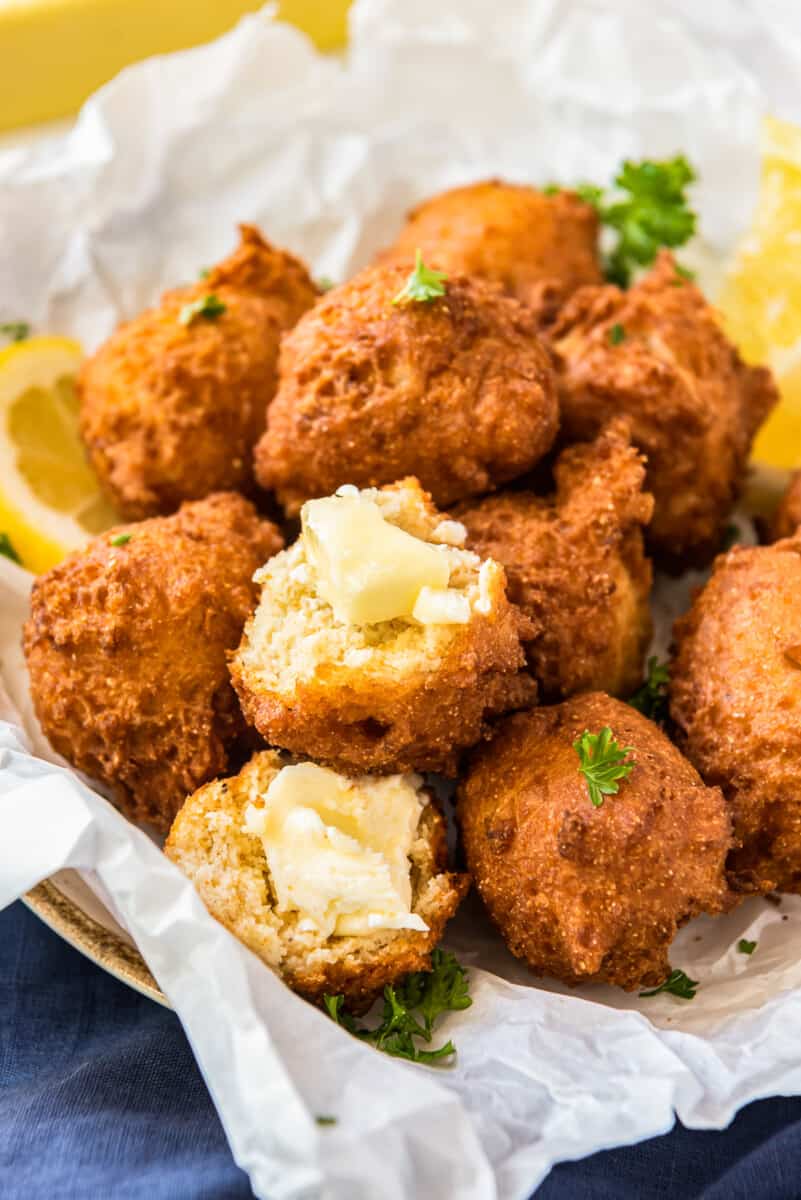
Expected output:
(366, 965)
(171, 412)
(787, 517)
(126, 646)
(457, 391)
(423, 722)
(735, 697)
(693, 405)
(538, 247)
(576, 566)
(591, 894)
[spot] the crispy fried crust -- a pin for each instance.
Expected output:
(538, 247)
(126, 648)
(735, 696)
(592, 894)
(397, 697)
(171, 412)
(229, 870)
(457, 391)
(787, 517)
(693, 405)
(576, 566)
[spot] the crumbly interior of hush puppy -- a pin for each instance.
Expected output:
(211, 843)
(294, 634)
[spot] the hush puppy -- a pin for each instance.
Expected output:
(539, 247)
(397, 694)
(576, 567)
(787, 517)
(586, 893)
(173, 403)
(126, 645)
(457, 390)
(657, 355)
(735, 697)
(260, 870)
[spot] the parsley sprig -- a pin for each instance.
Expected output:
(423, 284)
(603, 763)
(411, 1010)
(746, 947)
(15, 331)
(646, 210)
(677, 984)
(7, 549)
(652, 699)
(209, 307)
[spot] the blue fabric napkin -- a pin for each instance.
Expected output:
(100, 1099)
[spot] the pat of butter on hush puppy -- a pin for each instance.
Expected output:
(338, 849)
(370, 570)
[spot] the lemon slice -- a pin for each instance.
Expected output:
(49, 498)
(761, 295)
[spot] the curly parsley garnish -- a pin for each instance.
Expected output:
(120, 539)
(423, 284)
(411, 1010)
(647, 210)
(651, 699)
(602, 763)
(617, 334)
(746, 947)
(15, 331)
(325, 283)
(7, 549)
(209, 307)
(677, 984)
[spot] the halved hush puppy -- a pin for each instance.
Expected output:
(173, 403)
(379, 643)
(539, 247)
(576, 566)
(657, 355)
(126, 650)
(585, 886)
(735, 697)
(457, 390)
(340, 885)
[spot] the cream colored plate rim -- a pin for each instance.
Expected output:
(100, 945)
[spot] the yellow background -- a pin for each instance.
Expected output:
(54, 53)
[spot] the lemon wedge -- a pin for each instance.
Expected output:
(761, 294)
(49, 498)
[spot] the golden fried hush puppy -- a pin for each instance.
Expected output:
(379, 643)
(657, 355)
(126, 646)
(576, 567)
(173, 403)
(787, 517)
(456, 389)
(340, 885)
(735, 696)
(539, 247)
(587, 886)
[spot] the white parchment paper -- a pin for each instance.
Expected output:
(326, 155)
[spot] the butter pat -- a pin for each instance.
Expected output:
(367, 569)
(338, 849)
(441, 606)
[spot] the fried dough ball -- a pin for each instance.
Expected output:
(590, 894)
(170, 410)
(539, 247)
(576, 567)
(229, 868)
(392, 696)
(787, 517)
(458, 391)
(735, 696)
(126, 645)
(657, 355)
